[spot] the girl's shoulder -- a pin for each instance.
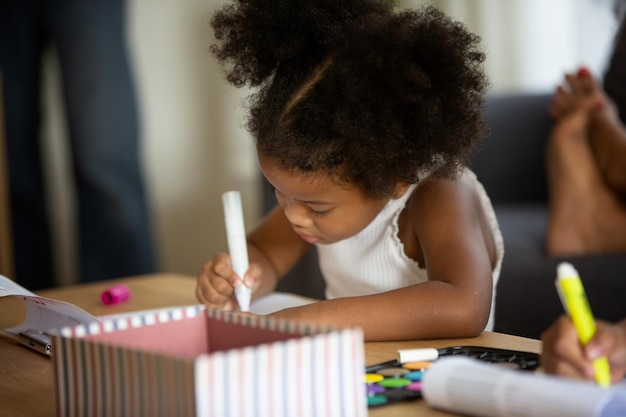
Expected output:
(436, 196)
(440, 208)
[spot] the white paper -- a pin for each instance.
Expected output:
(269, 304)
(42, 313)
(8, 287)
(278, 301)
(476, 388)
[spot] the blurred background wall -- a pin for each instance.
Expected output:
(195, 146)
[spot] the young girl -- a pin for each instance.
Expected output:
(363, 120)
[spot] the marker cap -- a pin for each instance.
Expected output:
(115, 294)
(417, 355)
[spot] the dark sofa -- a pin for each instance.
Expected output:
(510, 164)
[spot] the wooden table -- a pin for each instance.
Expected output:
(26, 385)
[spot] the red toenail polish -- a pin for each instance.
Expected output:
(584, 72)
(597, 106)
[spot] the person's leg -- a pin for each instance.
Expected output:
(22, 39)
(607, 136)
(115, 235)
(586, 215)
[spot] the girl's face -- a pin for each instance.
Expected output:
(319, 210)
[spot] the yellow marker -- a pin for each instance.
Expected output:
(576, 305)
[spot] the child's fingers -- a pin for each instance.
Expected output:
(253, 277)
(609, 341)
(214, 286)
(213, 299)
(206, 294)
(567, 370)
(602, 343)
(209, 298)
(224, 269)
(562, 353)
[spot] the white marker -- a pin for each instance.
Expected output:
(237, 246)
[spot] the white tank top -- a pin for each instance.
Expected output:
(373, 261)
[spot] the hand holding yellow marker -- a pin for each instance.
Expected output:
(576, 305)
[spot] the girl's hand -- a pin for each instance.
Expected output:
(216, 282)
(562, 353)
(609, 341)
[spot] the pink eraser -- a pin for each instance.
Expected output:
(116, 294)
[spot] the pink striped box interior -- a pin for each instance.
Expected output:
(198, 362)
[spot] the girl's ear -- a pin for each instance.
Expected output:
(400, 189)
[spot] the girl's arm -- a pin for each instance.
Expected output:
(444, 228)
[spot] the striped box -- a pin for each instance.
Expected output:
(198, 362)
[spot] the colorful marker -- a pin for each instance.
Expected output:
(237, 246)
(576, 305)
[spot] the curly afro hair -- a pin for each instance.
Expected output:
(356, 89)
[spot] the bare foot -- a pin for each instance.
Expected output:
(586, 216)
(580, 91)
(607, 136)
